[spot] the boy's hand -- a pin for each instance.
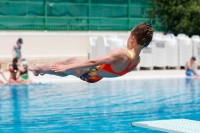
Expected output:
(58, 68)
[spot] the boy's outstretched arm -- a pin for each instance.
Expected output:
(106, 59)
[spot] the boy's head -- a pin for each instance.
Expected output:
(15, 60)
(193, 59)
(143, 34)
(25, 64)
(19, 41)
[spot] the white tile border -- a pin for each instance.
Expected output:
(74, 79)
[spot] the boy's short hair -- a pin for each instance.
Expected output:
(143, 34)
(193, 58)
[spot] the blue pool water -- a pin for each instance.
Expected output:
(108, 106)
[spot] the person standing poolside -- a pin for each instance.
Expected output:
(16, 52)
(114, 64)
(191, 67)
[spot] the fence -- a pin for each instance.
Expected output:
(73, 14)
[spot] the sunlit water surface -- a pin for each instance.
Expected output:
(106, 106)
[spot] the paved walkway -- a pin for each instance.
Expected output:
(134, 74)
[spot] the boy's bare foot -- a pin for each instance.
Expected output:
(34, 70)
(42, 74)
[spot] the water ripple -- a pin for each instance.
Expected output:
(108, 106)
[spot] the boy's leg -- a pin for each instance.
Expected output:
(43, 69)
(12, 81)
(1, 82)
(46, 69)
(71, 60)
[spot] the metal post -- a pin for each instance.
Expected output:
(45, 14)
(89, 14)
(26, 8)
(129, 14)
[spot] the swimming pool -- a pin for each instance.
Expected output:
(107, 106)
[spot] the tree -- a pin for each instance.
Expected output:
(178, 16)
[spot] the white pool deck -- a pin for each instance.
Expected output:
(171, 126)
(140, 74)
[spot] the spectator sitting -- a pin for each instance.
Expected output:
(14, 69)
(1, 72)
(191, 67)
(24, 74)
